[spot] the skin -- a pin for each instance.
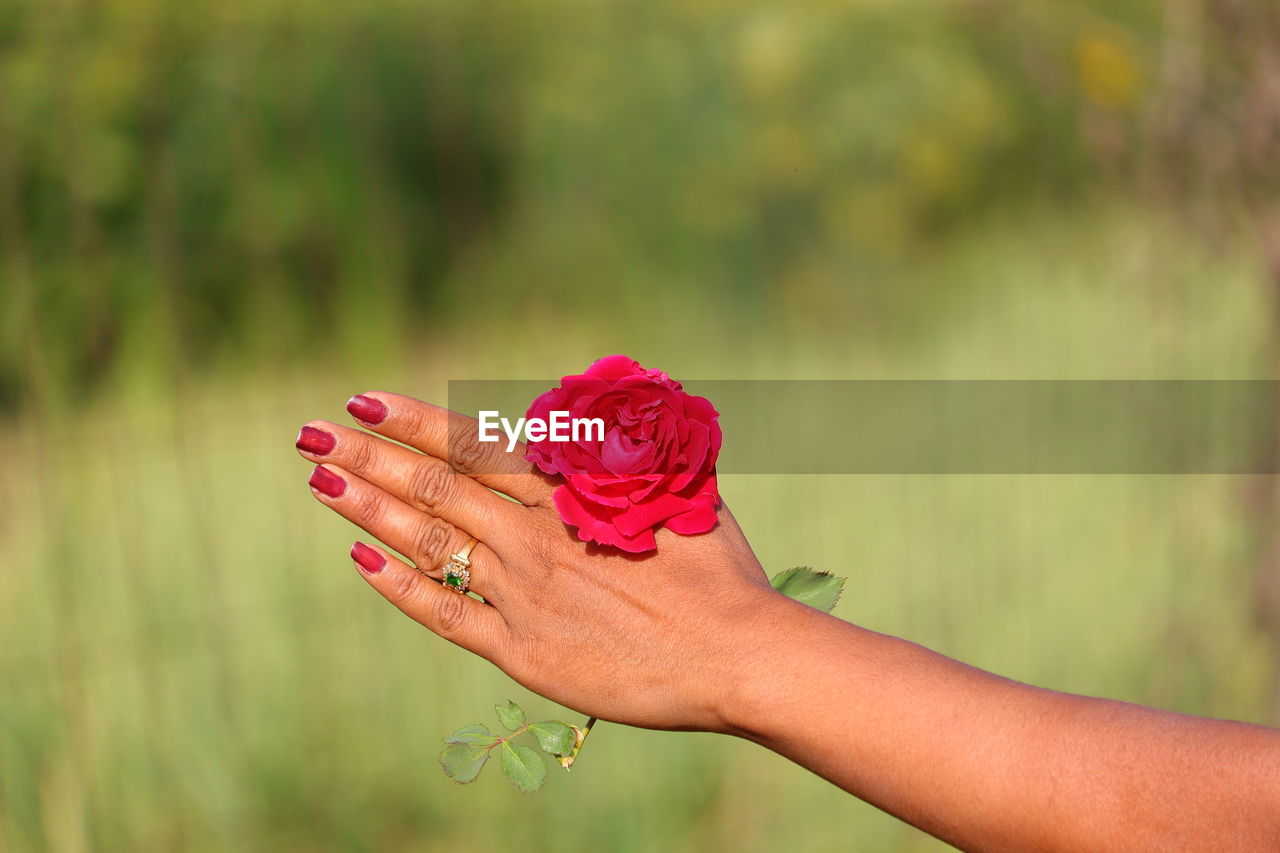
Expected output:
(977, 760)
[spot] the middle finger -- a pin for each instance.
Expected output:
(423, 482)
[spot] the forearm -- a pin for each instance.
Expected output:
(991, 764)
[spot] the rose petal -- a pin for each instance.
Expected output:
(649, 514)
(587, 489)
(594, 525)
(699, 518)
(613, 367)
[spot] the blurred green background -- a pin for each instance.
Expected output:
(221, 219)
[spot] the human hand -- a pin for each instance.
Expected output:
(654, 641)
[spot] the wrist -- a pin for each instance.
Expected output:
(770, 635)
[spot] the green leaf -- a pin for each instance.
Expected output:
(816, 589)
(462, 762)
(524, 767)
(554, 736)
(510, 716)
(477, 735)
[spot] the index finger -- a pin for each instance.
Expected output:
(454, 438)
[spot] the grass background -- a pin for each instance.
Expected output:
(220, 223)
(189, 661)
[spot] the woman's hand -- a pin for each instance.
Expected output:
(693, 637)
(652, 641)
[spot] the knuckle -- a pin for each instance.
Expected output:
(402, 587)
(430, 543)
(415, 425)
(431, 484)
(543, 543)
(465, 453)
(450, 613)
(362, 455)
(371, 505)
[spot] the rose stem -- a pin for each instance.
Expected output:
(567, 761)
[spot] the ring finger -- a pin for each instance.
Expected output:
(424, 483)
(424, 540)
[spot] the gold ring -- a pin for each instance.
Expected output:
(457, 571)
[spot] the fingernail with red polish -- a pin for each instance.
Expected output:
(367, 409)
(315, 441)
(367, 559)
(328, 483)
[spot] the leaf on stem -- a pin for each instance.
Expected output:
(554, 737)
(816, 589)
(510, 715)
(462, 762)
(477, 735)
(523, 767)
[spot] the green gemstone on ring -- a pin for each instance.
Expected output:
(453, 580)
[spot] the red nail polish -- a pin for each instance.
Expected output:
(315, 441)
(328, 483)
(367, 409)
(368, 559)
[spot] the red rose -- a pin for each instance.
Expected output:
(655, 467)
